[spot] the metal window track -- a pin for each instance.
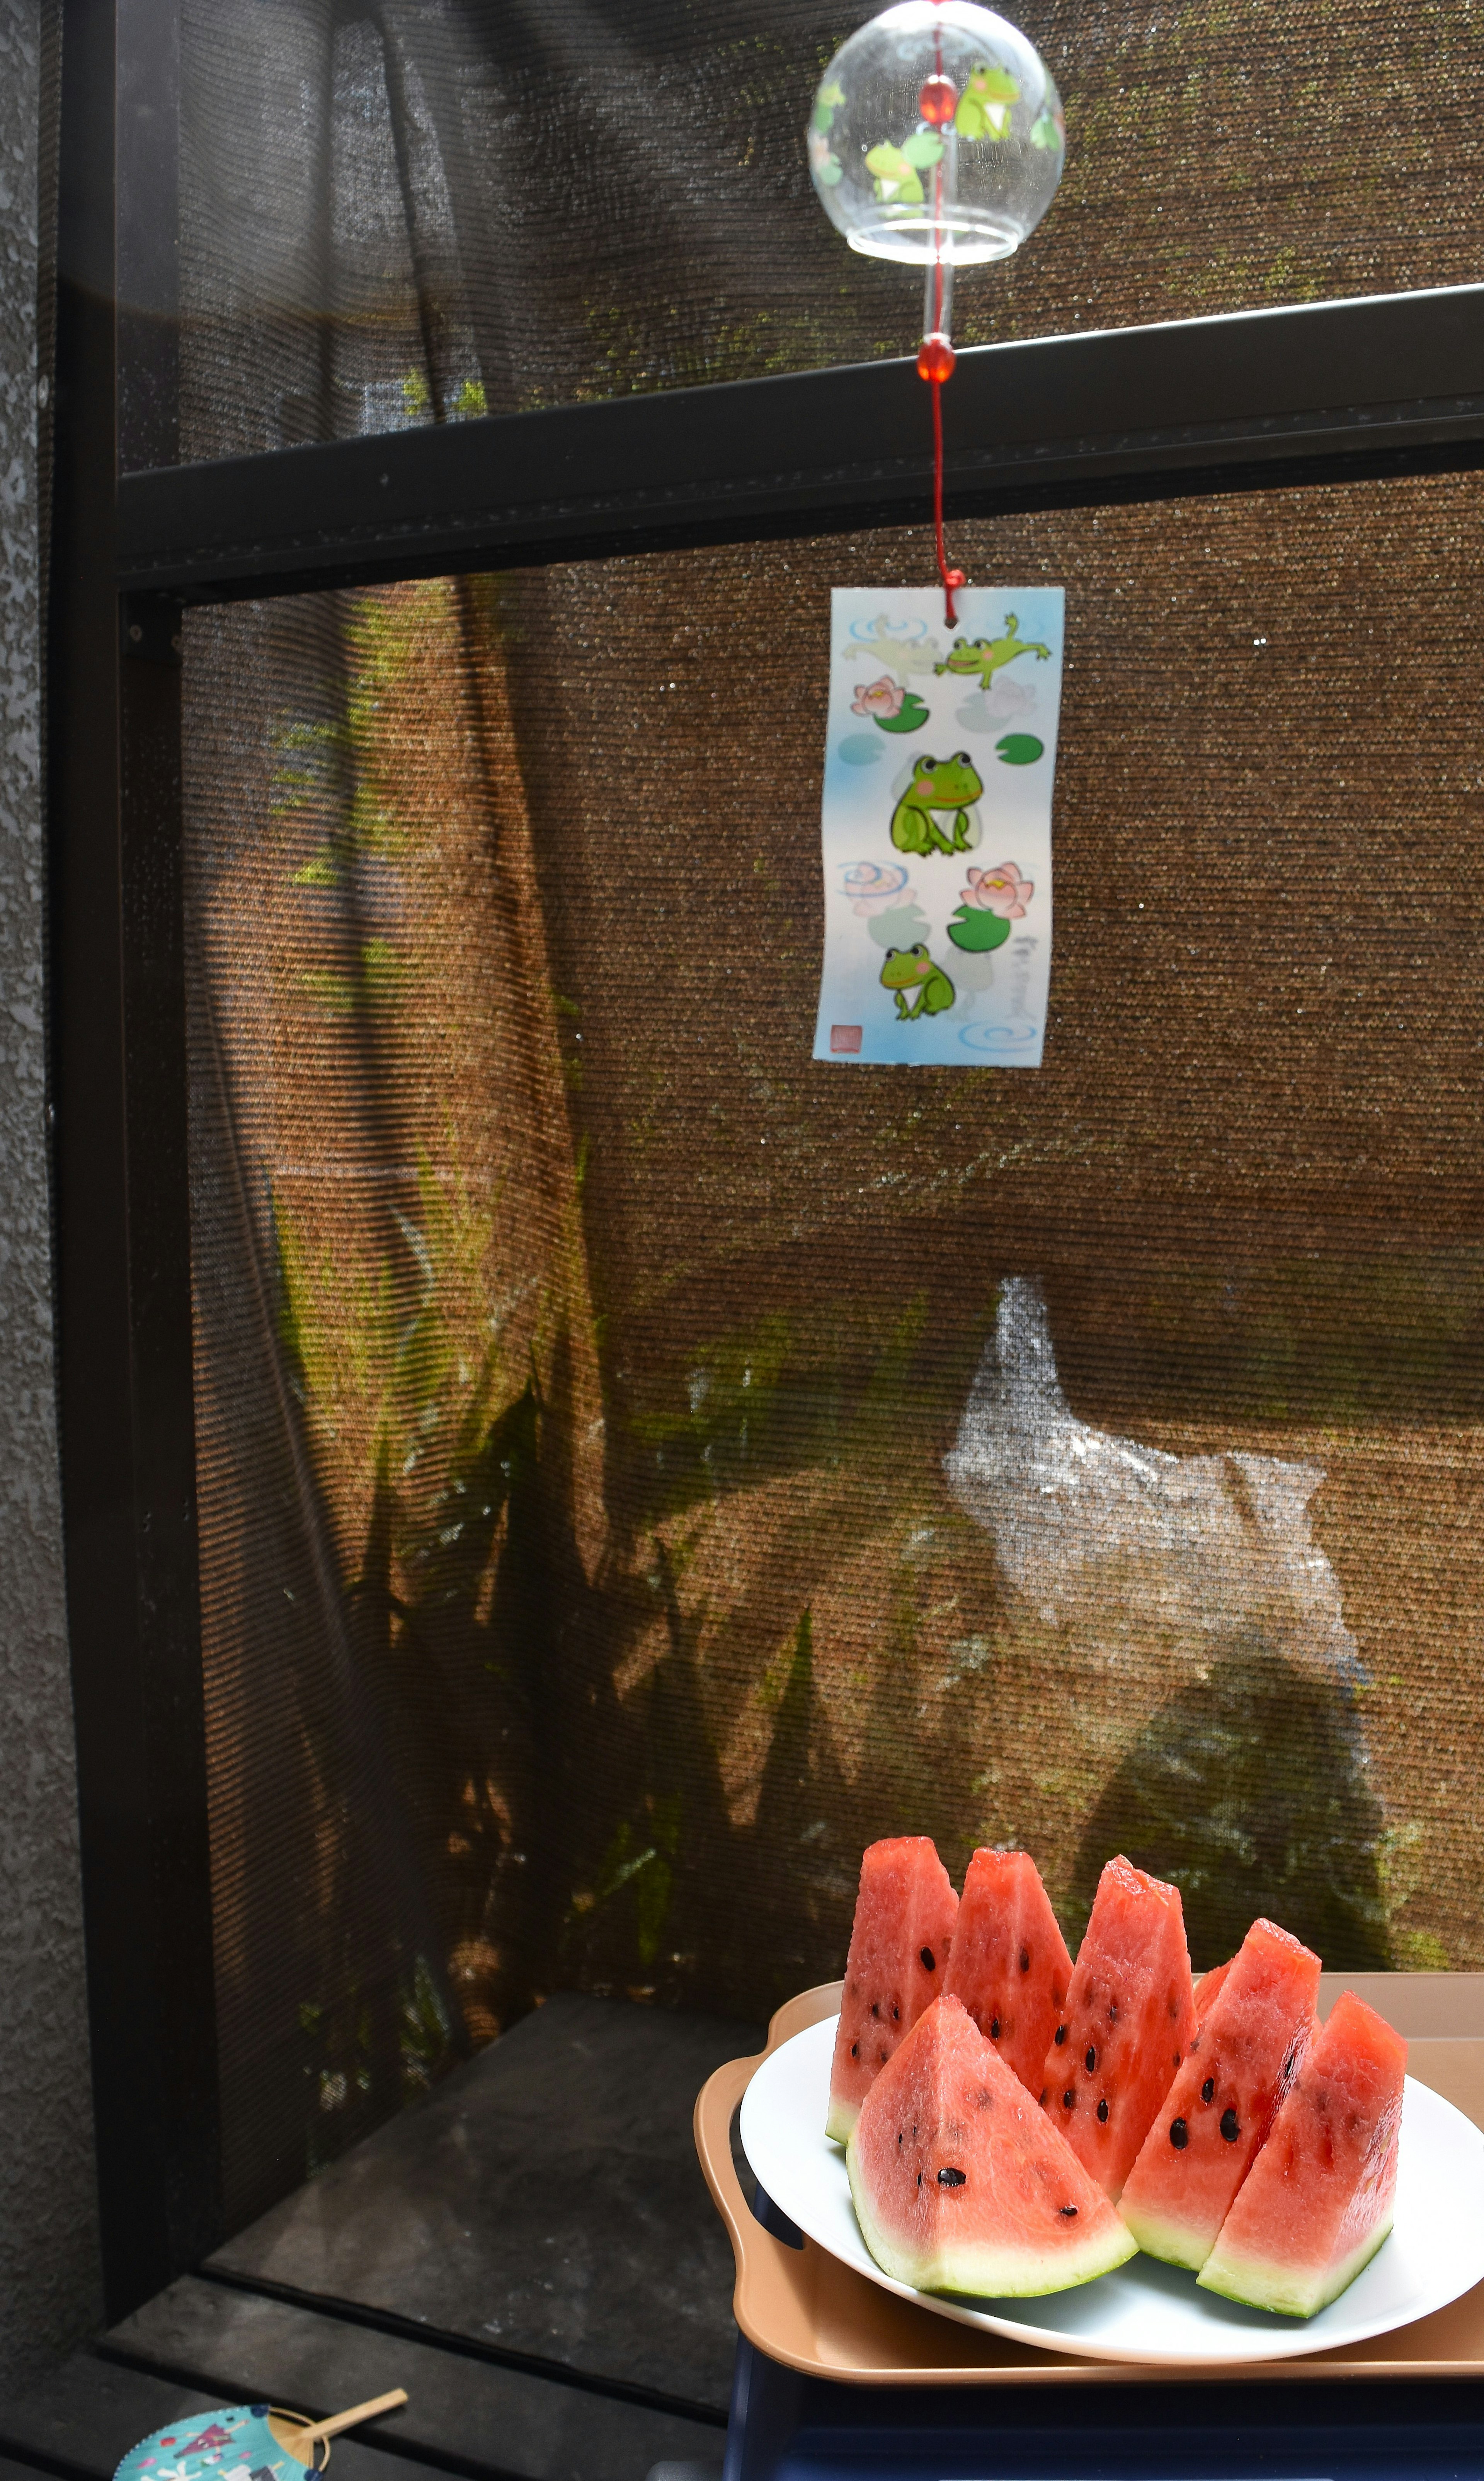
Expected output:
(1317, 392)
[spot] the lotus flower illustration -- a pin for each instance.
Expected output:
(1001, 890)
(890, 706)
(991, 902)
(878, 698)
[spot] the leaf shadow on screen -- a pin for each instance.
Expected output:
(1250, 1791)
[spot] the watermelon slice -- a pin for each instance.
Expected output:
(1009, 1964)
(1209, 1989)
(1319, 2201)
(1221, 2104)
(961, 2183)
(905, 1915)
(1126, 2027)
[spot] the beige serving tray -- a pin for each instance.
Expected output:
(803, 2308)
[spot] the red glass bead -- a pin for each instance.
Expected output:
(938, 101)
(936, 359)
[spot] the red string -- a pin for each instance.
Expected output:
(952, 578)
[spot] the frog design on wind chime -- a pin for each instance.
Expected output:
(937, 139)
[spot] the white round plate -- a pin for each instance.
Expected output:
(1145, 2312)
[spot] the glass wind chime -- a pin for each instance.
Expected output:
(937, 139)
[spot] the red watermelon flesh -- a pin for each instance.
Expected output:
(1221, 2104)
(1128, 2021)
(1319, 2201)
(1009, 1965)
(961, 2183)
(904, 1916)
(1209, 1989)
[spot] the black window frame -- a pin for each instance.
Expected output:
(1304, 395)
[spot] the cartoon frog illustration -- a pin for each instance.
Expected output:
(894, 176)
(912, 969)
(984, 106)
(937, 784)
(988, 656)
(912, 652)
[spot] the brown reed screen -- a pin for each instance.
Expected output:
(578, 1361)
(637, 1464)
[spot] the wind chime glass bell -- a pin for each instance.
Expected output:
(937, 139)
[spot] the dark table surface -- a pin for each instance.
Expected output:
(530, 2252)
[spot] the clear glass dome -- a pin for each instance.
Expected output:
(937, 135)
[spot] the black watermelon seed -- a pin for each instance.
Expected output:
(1288, 2065)
(895, 2015)
(1112, 2011)
(1180, 2136)
(1068, 2210)
(883, 2058)
(1177, 2058)
(875, 2009)
(855, 2050)
(1209, 2090)
(899, 2136)
(1043, 2097)
(951, 2179)
(1174, 2012)
(1068, 2098)
(1025, 1959)
(994, 2028)
(1103, 2109)
(1061, 2035)
(1229, 2126)
(927, 1963)
(1091, 2060)
(920, 2178)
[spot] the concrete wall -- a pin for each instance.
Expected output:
(48, 2237)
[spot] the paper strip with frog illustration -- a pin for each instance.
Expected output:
(940, 756)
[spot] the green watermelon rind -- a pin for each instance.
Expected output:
(840, 2118)
(989, 2273)
(1168, 2241)
(1259, 2283)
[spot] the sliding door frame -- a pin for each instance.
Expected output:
(1303, 395)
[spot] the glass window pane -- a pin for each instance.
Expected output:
(423, 211)
(639, 1464)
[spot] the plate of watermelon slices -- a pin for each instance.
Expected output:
(1143, 2311)
(1110, 2159)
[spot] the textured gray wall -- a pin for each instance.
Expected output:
(48, 2238)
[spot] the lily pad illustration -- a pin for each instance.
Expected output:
(974, 932)
(923, 149)
(1020, 749)
(910, 716)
